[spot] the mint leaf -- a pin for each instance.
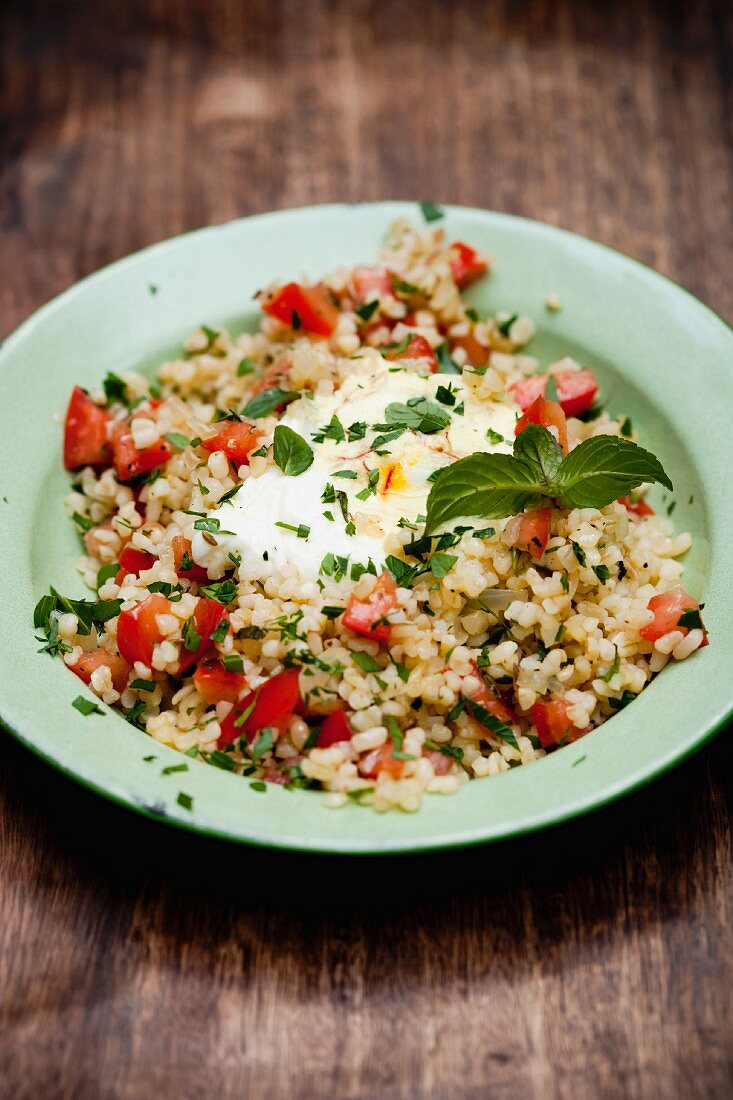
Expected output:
(492, 486)
(537, 446)
(603, 469)
(488, 485)
(262, 404)
(291, 452)
(418, 415)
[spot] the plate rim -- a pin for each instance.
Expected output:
(334, 845)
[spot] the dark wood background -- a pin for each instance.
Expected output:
(592, 961)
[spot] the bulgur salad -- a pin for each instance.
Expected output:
(368, 549)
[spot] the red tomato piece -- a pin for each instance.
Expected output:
(636, 507)
(440, 761)
(370, 283)
(376, 761)
(312, 306)
(216, 683)
(417, 348)
(236, 439)
(366, 617)
(274, 378)
(133, 561)
(272, 704)
(129, 461)
(181, 548)
(478, 354)
(549, 415)
(206, 617)
(534, 531)
(85, 432)
(667, 609)
(550, 716)
(98, 658)
(490, 699)
(576, 390)
(335, 728)
(466, 265)
(137, 629)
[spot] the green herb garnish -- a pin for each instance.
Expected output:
(291, 452)
(262, 404)
(431, 211)
(418, 415)
(86, 706)
(596, 472)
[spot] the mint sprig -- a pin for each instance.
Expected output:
(493, 486)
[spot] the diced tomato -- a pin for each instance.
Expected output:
(236, 439)
(417, 348)
(137, 629)
(206, 617)
(549, 415)
(129, 461)
(667, 609)
(534, 531)
(366, 617)
(99, 658)
(370, 283)
(441, 761)
(576, 390)
(636, 507)
(491, 701)
(181, 548)
(133, 561)
(478, 354)
(272, 705)
(373, 763)
(85, 432)
(466, 265)
(216, 683)
(305, 307)
(550, 716)
(335, 728)
(274, 378)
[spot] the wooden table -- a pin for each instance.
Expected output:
(592, 961)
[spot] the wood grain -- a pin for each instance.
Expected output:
(592, 961)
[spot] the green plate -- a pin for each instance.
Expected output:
(663, 358)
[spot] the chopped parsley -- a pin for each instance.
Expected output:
(191, 639)
(222, 591)
(690, 619)
(302, 531)
(446, 362)
(367, 311)
(86, 706)
(115, 389)
(178, 440)
(431, 211)
(333, 430)
(371, 487)
(504, 326)
(366, 662)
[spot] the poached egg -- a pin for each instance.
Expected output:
(368, 479)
